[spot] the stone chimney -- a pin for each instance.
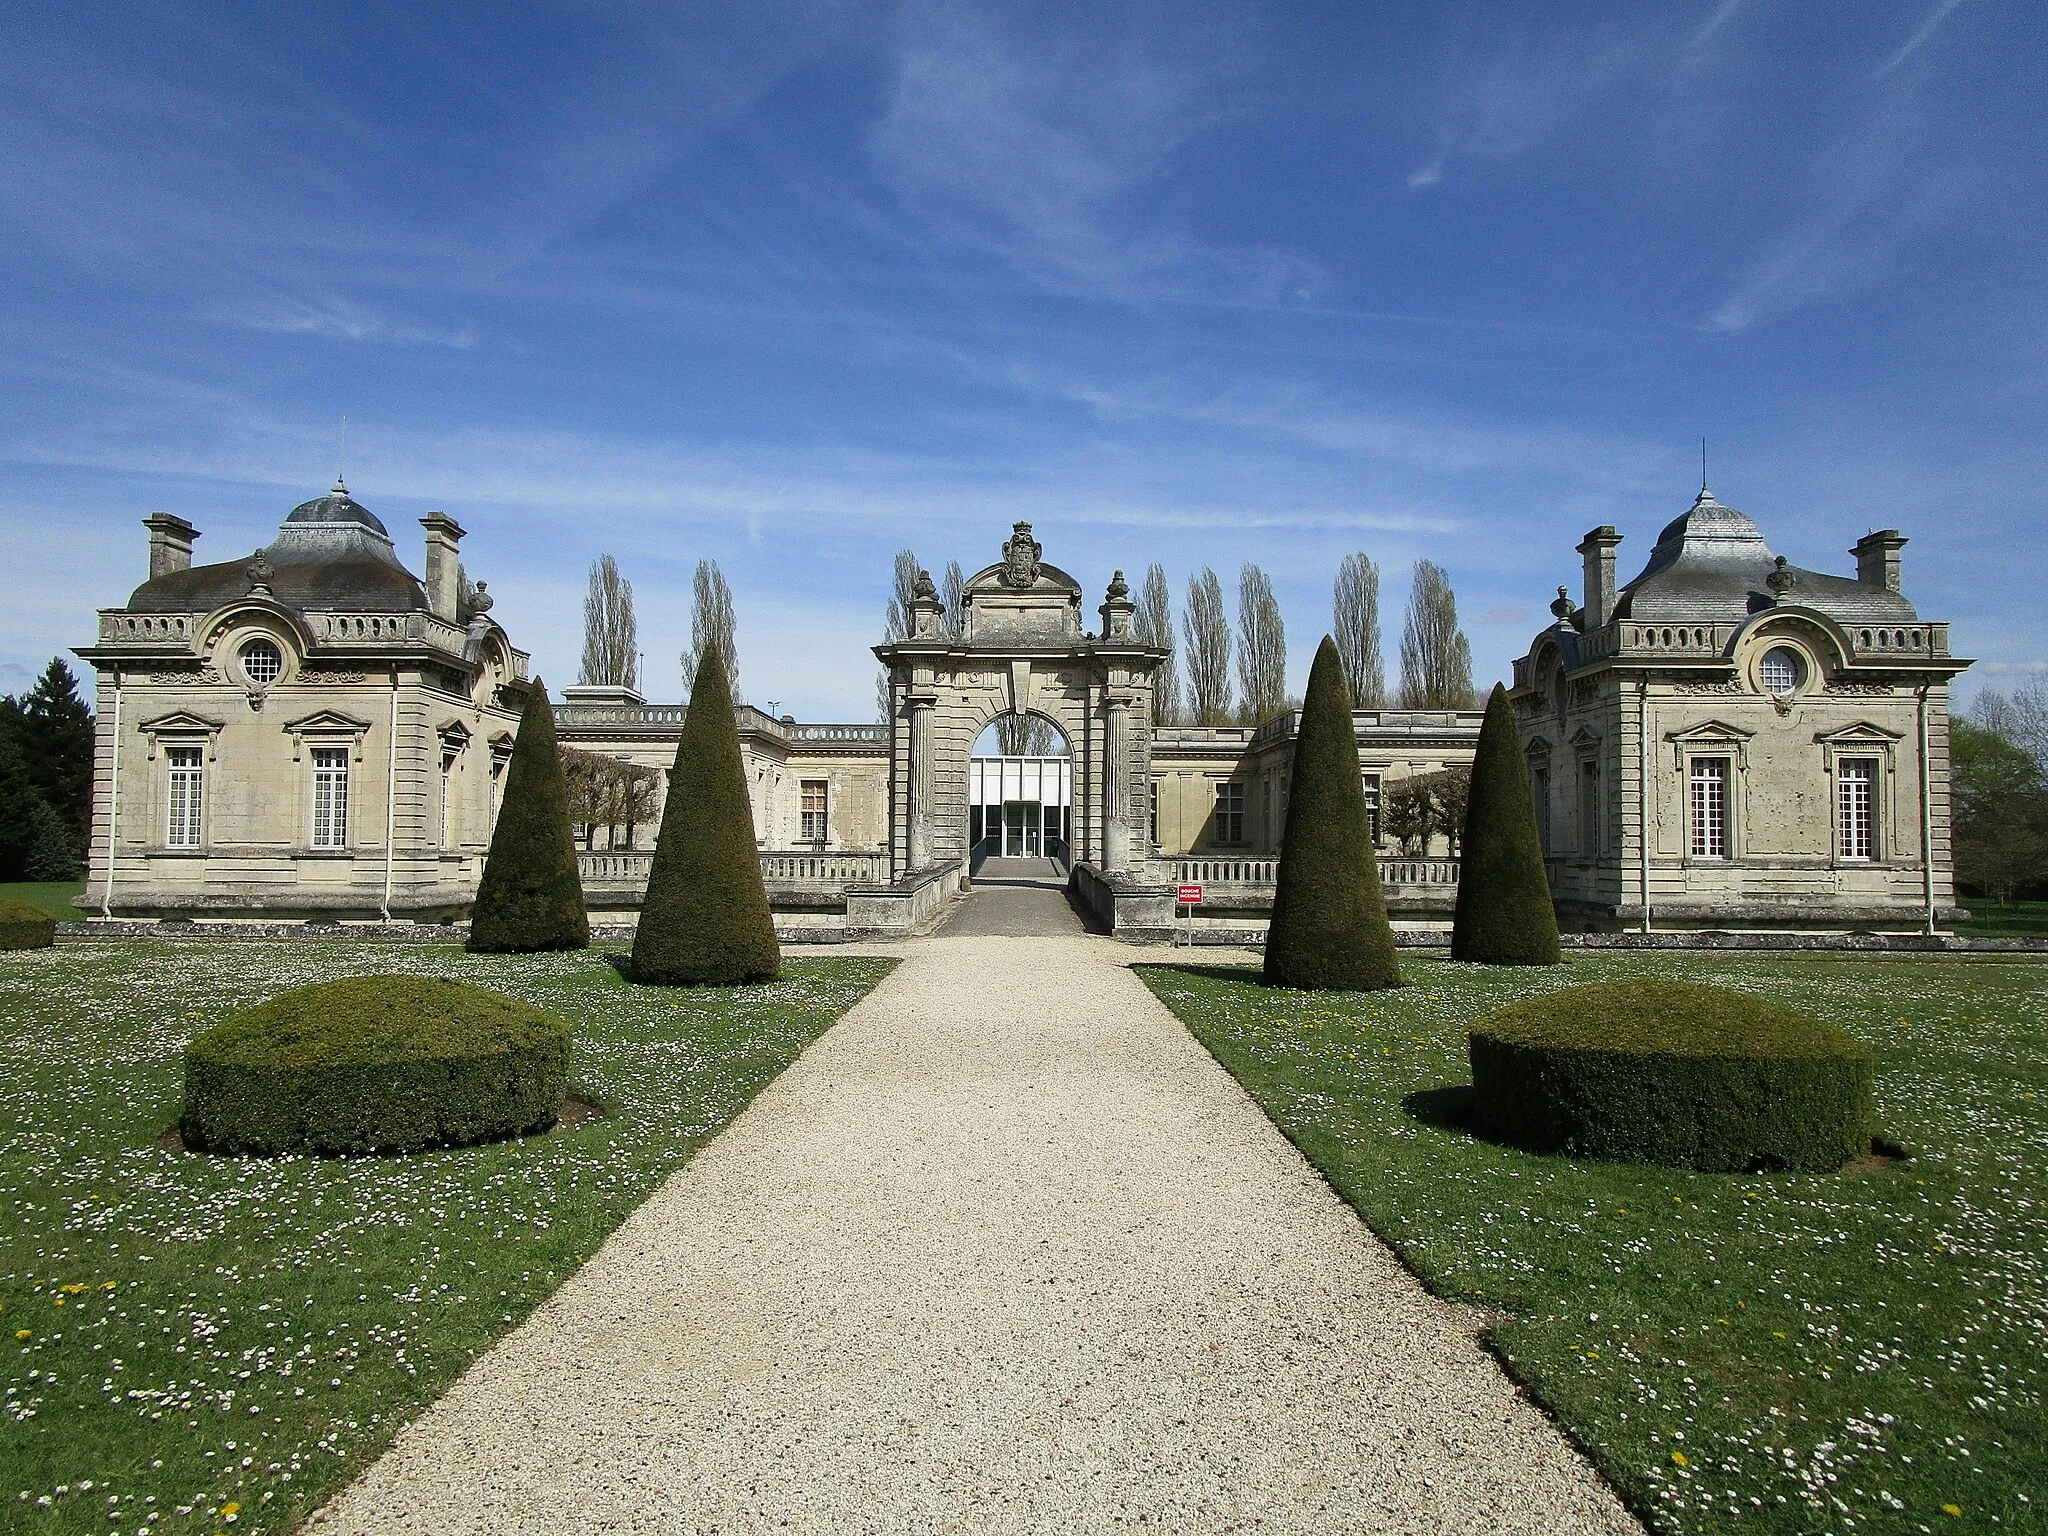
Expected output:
(1877, 558)
(1597, 549)
(170, 543)
(444, 579)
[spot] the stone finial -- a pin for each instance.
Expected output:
(480, 601)
(1563, 605)
(1781, 581)
(1119, 613)
(925, 608)
(260, 572)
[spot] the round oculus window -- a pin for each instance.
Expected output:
(261, 662)
(1780, 672)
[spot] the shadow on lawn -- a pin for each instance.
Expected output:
(1449, 1108)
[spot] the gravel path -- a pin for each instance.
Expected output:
(1004, 1251)
(1015, 898)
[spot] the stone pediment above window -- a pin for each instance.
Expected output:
(1861, 733)
(1708, 735)
(328, 725)
(1585, 738)
(183, 724)
(453, 733)
(1537, 749)
(501, 748)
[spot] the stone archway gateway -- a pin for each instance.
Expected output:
(1020, 650)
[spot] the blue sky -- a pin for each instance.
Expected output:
(791, 286)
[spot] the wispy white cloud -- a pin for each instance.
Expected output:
(1044, 151)
(1913, 44)
(339, 320)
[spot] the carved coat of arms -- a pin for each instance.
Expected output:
(1020, 557)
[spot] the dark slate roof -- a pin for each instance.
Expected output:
(337, 506)
(332, 553)
(1709, 566)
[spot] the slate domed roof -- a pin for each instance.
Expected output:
(1709, 566)
(332, 553)
(337, 506)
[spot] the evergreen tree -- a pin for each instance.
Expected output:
(46, 845)
(705, 922)
(55, 732)
(531, 897)
(1329, 930)
(1504, 912)
(19, 800)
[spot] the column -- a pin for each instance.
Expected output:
(1116, 791)
(919, 810)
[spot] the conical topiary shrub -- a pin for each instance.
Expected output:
(1329, 930)
(531, 897)
(705, 922)
(1504, 911)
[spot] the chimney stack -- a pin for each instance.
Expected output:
(170, 543)
(1877, 558)
(1597, 549)
(444, 578)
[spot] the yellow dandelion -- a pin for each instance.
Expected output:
(21, 1333)
(1678, 1457)
(1951, 1509)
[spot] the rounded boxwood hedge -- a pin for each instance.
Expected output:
(1672, 1072)
(25, 927)
(374, 1064)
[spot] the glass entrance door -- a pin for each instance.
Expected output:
(1022, 824)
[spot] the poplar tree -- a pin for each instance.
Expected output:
(705, 921)
(953, 592)
(896, 622)
(1356, 609)
(1154, 621)
(712, 625)
(611, 639)
(1208, 635)
(1436, 659)
(1261, 647)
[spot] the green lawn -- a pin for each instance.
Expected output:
(196, 1338)
(51, 896)
(1856, 1352)
(2005, 919)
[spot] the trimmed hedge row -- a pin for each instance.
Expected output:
(1676, 1073)
(25, 927)
(374, 1064)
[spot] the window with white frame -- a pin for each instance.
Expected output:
(261, 663)
(1266, 812)
(1229, 813)
(450, 754)
(1153, 813)
(186, 798)
(1539, 796)
(813, 811)
(330, 797)
(1372, 805)
(1592, 817)
(1856, 807)
(1708, 808)
(1780, 672)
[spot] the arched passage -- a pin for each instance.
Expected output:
(1020, 791)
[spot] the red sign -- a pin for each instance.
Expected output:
(1189, 896)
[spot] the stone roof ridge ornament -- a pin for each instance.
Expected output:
(1781, 581)
(260, 572)
(480, 601)
(925, 608)
(1020, 557)
(923, 586)
(1118, 587)
(1563, 605)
